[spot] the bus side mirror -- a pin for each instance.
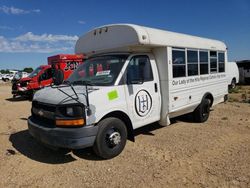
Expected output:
(58, 77)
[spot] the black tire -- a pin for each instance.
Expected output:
(201, 113)
(29, 95)
(111, 138)
(233, 84)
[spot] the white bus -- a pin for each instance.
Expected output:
(136, 76)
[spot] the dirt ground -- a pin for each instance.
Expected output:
(184, 154)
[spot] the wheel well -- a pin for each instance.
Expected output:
(209, 96)
(234, 79)
(124, 117)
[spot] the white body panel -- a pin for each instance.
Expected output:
(232, 72)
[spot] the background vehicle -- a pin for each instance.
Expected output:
(233, 74)
(7, 77)
(133, 76)
(244, 70)
(58, 69)
(19, 75)
(63, 65)
(40, 77)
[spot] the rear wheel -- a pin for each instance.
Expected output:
(233, 84)
(201, 113)
(111, 138)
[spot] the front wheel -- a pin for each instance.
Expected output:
(201, 113)
(111, 138)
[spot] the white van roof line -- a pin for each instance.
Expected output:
(119, 36)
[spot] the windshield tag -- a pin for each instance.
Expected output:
(102, 73)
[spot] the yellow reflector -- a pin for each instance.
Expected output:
(68, 123)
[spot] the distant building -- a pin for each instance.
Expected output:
(244, 71)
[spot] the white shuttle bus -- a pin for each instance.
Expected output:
(133, 76)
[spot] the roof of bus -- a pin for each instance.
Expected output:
(118, 36)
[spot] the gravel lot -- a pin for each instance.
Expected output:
(184, 154)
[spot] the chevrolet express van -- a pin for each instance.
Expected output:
(133, 76)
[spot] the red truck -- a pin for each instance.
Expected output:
(58, 69)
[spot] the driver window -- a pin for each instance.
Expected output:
(47, 74)
(139, 68)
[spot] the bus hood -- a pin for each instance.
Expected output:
(61, 94)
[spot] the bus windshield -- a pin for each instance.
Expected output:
(99, 71)
(35, 72)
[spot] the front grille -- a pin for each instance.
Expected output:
(23, 84)
(44, 113)
(43, 106)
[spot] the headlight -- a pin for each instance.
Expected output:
(70, 116)
(71, 111)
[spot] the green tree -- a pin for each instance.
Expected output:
(6, 71)
(28, 69)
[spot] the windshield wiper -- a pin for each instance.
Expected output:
(86, 84)
(67, 82)
(82, 82)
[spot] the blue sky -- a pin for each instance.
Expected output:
(32, 30)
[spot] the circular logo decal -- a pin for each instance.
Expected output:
(143, 103)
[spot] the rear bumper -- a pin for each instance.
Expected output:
(72, 138)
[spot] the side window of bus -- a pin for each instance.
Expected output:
(221, 58)
(138, 64)
(192, 62)
(203, 62)
(213, 61)
(179, 63)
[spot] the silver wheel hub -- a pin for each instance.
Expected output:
(115, 138)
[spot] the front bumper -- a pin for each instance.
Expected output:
(21, 91)
(72, 138)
